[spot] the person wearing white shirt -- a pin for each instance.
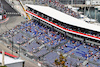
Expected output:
(99, 47)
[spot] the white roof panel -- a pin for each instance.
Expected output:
(9, 60)
(64, 17)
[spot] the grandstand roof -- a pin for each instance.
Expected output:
(64, 17)
(9, 60)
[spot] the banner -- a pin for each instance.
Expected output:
(0, 17)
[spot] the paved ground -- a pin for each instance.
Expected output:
(10, 11)
(12, 22)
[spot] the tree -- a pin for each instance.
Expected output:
(56, 62)
(59, 64)
(61, 61)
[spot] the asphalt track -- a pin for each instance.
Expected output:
(9, 9)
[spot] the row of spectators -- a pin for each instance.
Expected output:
(42, 33)
(88, 52)
(80, 30)
(92, 33)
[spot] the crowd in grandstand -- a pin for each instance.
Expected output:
(59, 6)
(69, 27)
(13, 34)
(52, 39)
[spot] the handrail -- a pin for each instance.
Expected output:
(24, 10)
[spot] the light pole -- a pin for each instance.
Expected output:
(48, 2)
(95, 14)
(12, 43)
(1, 29)
(33, 1)
(71, 2)
(19, 47)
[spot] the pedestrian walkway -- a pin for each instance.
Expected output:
(11, 13)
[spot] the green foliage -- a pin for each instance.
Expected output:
(61, 61)
(3, 66)
(56, 61)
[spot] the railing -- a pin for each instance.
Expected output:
(13, 56)
(24, 9)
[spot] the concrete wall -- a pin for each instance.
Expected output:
(15, 64)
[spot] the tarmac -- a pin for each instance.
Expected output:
(10, 11)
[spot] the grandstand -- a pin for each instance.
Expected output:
(52, 32)
(48, 54)
(52, 18)
(71, 25)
